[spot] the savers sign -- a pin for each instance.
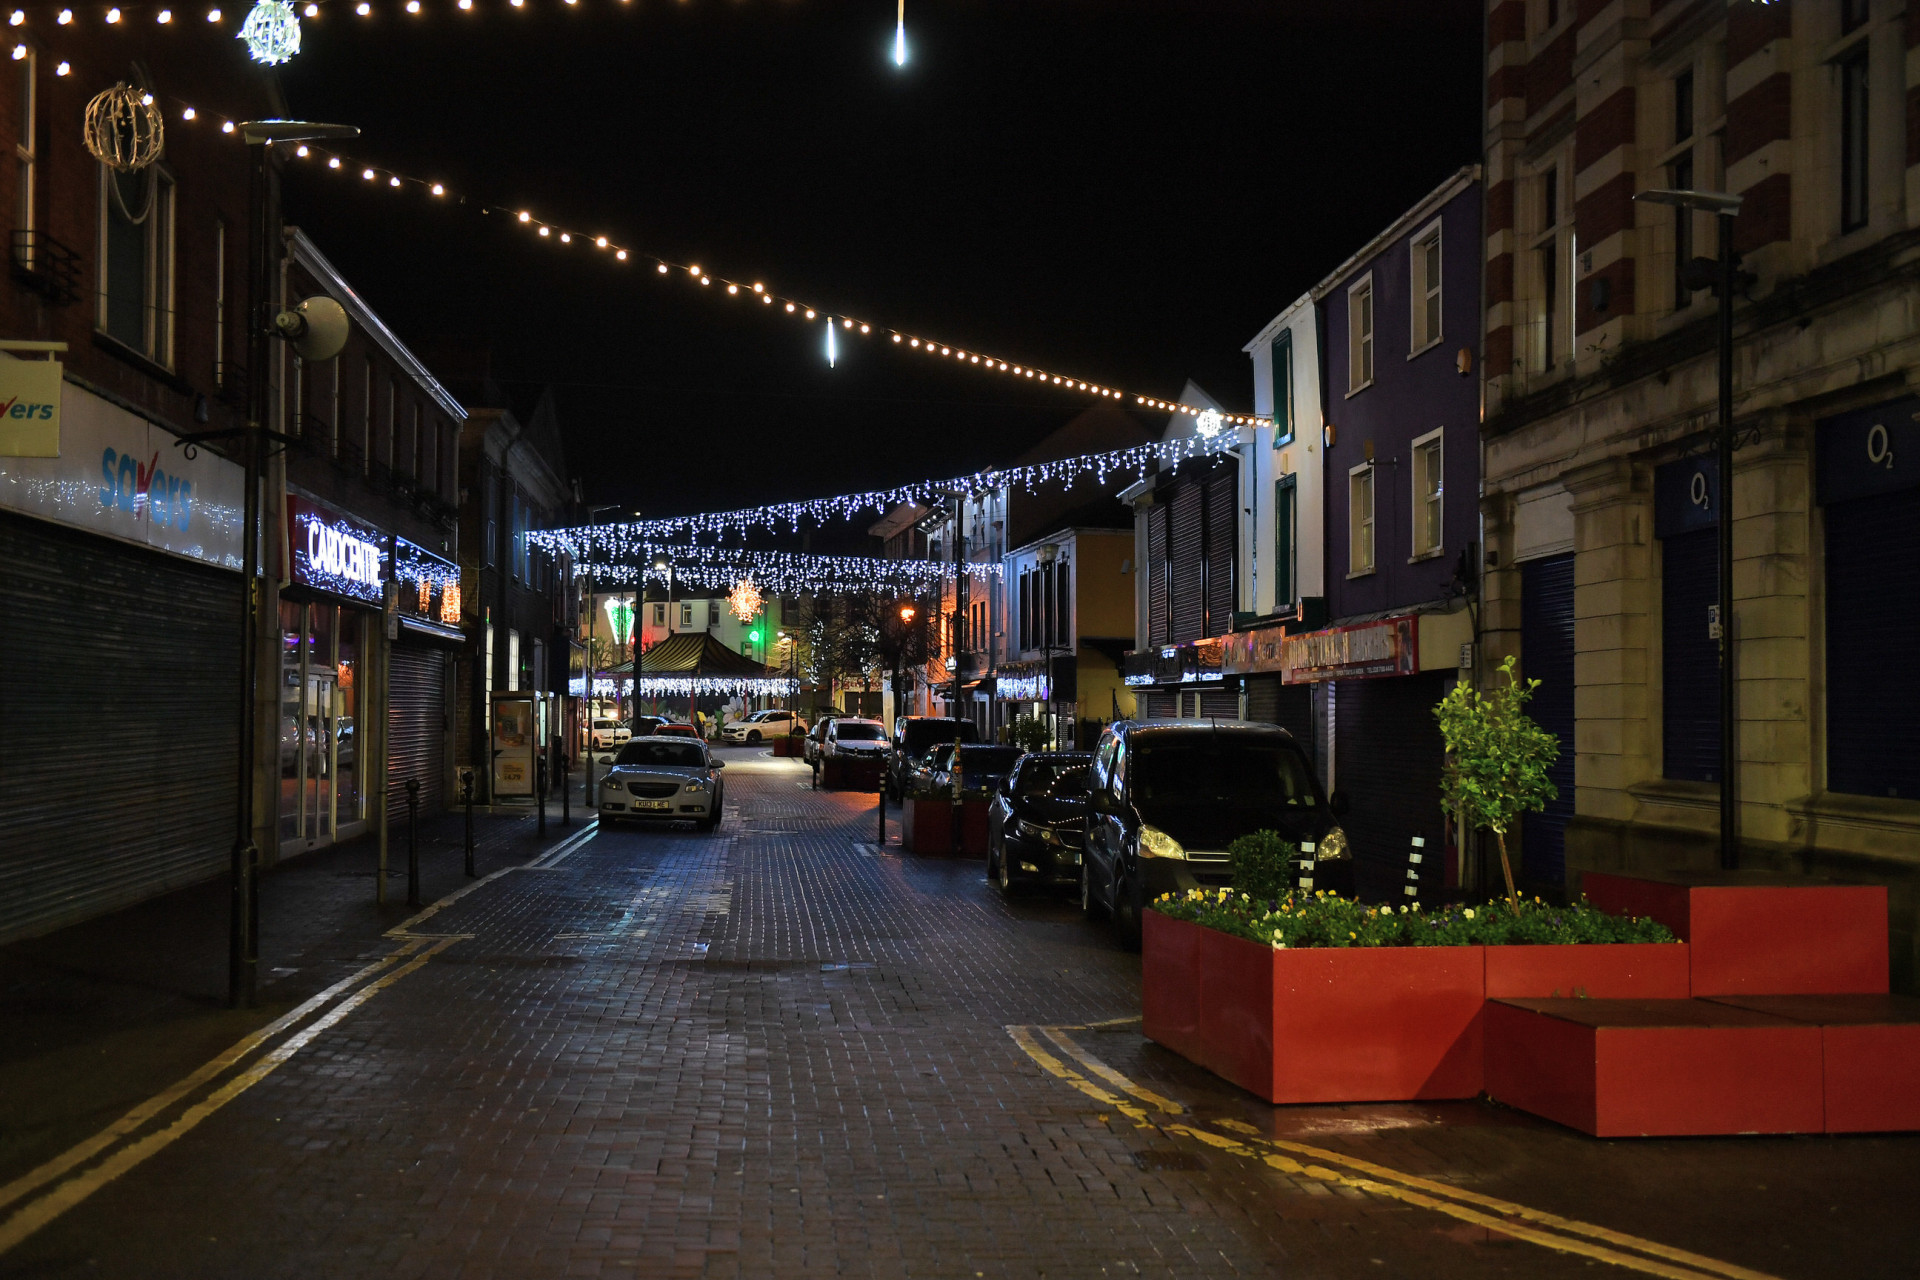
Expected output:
(30, 408)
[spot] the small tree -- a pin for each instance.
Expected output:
(1497, 759)
(1029, 733)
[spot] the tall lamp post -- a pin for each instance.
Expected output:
(593, 604)
(1722, 277)
(661, 565)
(243, 914)
(907, 615)
(1046, 556)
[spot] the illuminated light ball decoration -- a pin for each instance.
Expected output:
(124, 129)
(271, 32)
(1210, 423)
(745, 600)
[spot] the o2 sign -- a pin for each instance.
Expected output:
(1857, 454)
(336, 553)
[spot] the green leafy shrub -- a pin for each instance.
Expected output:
(1263, 864)
(1029, 733)
(1327, 920)
(1497, 759)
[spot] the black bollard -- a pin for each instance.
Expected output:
(413, 843)
(540, 794)
(566, 787)
(466, 794)
(882, 839)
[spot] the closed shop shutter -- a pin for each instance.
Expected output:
(119, 724)
(1388, 751)
(1546, 649)
(416, 729)
(1263, 699)
(1222, 539)
(1157, 575)
(1155, 706)
(1690, 656)
(1220, 704)
(1184, 551)
(1873, 682)
(1288, 705)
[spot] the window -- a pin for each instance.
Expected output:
(1426, 288)
(487, 629)
(366, 445)
(1682, 180)
(1853, 140)
(1063, 610)
(1853, 15)
(1285, 539)
(26, 147)
(686, 615)
(419, 454)
(713, 613)
(1360, 335)
(136, 261)
(1548, 249)
(333, 414)
(1026, 609)
(220, 304)
(393, 427)
(1429, 485)
(513, 661)
(660, 615)
(1283, 389)
(299, 424)
(1360, 520)
(424, 441)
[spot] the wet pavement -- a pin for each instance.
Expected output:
(781, 1050)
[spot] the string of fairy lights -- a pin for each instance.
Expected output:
(780, 572)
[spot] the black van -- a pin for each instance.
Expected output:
(913, 737)
(1167, 798)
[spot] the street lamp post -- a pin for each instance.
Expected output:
(960, 585)
(907, 614)
(593, 605)
(1723, 277)
(661, 565)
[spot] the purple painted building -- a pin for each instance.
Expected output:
(1400, 362)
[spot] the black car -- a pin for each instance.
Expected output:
(913, 737)
(1168, 797)
(1037, 824)
(980, 766)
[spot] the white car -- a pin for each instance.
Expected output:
(664, 778)
(608, 734)
(855, 739)
(761, 725)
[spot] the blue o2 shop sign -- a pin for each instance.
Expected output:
(336, 553)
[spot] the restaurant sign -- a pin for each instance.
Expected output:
(1384, 648)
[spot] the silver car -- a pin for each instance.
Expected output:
(670, 779)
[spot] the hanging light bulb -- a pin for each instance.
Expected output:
(900, 37)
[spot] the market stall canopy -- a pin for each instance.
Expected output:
(693, 661)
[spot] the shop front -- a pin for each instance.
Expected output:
(338, 571)
(120, 625)
(426, 637)
(1182, 682)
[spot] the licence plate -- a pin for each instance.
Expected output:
(653, 804)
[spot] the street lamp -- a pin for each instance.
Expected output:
(243, 913)
(664, 566)
(593, 606)
(1046, 556)
(1724, 208)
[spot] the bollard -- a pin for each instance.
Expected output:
(882, 840)
(566, 788)
(1307, 849)
(467, 775)
(1414, 858)
(540, 794)
(413, 843)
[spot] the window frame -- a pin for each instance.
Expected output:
(1362, 531)
(1280, 362)
(1855, 163)
(26, 148)
(162, 240)
(1424, 291)
(1362, 342)
(1420, 500)
(1286, 539)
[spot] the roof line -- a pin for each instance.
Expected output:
(1421, 210)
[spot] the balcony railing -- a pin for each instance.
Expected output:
(46, 266)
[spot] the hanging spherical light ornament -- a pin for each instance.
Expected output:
(1209, 423)
(272, 32)
(124, 129)
(746, 600)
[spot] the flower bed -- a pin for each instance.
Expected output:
(1322, 999)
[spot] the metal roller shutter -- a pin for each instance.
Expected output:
(1222, 540)
(1690, 657)
(1155, 706)
(1263, 699)
(1873, 683)
(1157, 575)
(119, 724)
(1546, 648)
(1220, 704)
(1389, 756)
(1189, 512)
(1288, 705)
(416, 729)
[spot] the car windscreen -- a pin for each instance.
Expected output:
(662, 753)
(845, 732)
(1202, 770)
(1054, 779)
(922, 734)
(999, 760)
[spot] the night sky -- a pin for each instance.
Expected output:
(1125, 189)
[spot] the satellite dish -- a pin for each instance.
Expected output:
(317, 328)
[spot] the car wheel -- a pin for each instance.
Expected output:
(1005, 874)
(753, 735)
(1128, 906)
(1090, 907)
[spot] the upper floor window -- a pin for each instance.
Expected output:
(1854, 14)
(1426, 288)
(1283, 388)
(136, 261)
(1360, 335)
(686, 615)
(1360, 520)
(713, 613)
(220, 311)
(660, 615)
(1852, 71)
(1428, 492)
(25, 148)
(1547, 249)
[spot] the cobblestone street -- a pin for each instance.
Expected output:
(780, 1050)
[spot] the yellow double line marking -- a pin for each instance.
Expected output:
(1551, 1231)
(68, 1191)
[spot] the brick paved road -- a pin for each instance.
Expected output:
(776, 1051)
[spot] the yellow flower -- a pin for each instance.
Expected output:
(1351, 934)
(1469, 913)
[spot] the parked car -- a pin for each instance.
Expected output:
(761, 725)
(642, 726)
(667, 729)
(913, 737)
(608, 734)
(1037, 824)
(663, 777)
(810, 745)
(861, 739)
(920, 772)
(981, 766)
(1168, 797)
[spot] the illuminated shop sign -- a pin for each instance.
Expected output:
(428, 585)
(336, 553)
(1384, 648)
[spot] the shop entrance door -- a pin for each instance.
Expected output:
(320, 748)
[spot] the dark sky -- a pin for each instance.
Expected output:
(1127, 189)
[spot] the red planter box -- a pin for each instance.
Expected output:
(1761, 934)
(838, 773)
(785, 746)
(972, 834)
(1644, 1068)
(1870, 1052)
(1614, 970)
(1331, 1024)
(926, 826)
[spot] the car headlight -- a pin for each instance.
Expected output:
(693, 787)
(613, 784)
(1030, 830)
(1155, 843)
(1334, 847)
